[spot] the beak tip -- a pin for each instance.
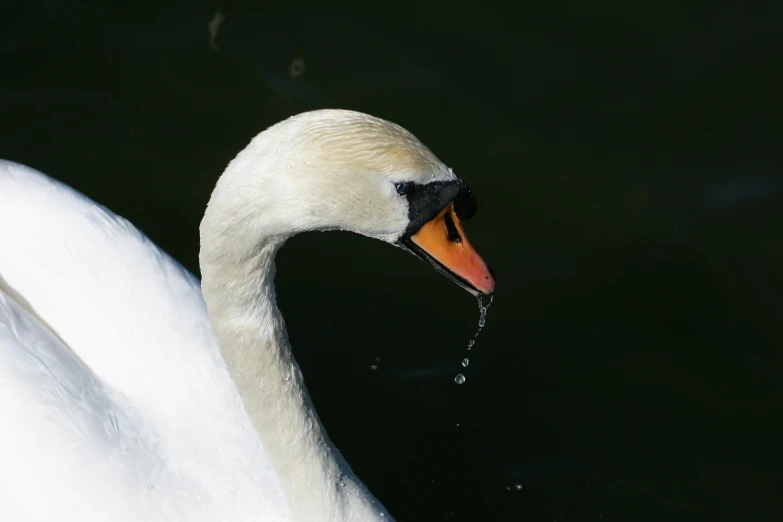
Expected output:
(488, 284)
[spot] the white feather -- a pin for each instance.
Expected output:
(177, 438)
(118, 402)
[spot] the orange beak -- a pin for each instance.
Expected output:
(443, 244)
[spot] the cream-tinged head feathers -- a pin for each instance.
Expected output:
(322, 170)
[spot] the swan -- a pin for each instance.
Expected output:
(130, 391)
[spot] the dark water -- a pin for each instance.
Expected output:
(627, 160)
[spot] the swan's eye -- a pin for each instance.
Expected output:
(404, 188)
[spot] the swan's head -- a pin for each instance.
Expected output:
(337, 169)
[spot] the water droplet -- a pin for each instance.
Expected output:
(482, 321)
(518, 487)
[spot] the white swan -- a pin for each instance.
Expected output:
(125, 395)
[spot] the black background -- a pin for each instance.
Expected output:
(627, 161)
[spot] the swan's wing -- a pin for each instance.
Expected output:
(65, 445)
(125, 308)
(136, 321)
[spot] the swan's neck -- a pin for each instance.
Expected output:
(239, 289)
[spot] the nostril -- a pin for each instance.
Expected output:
(492, 273)
(451, 230)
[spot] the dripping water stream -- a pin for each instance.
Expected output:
(460, 378)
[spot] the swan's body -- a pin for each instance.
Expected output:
(122, 398)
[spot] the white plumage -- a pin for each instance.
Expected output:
(117, 400)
